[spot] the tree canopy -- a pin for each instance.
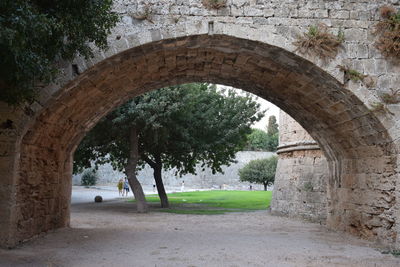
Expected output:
(258, 140)
(272, 127)
(176, 127)
(259, 171)
(34, 34)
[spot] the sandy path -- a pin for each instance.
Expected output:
(112, 234)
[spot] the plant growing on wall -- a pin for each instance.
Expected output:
(319, 42)
(356, 76)
(393, 97)
(388, 31)
(214, 4)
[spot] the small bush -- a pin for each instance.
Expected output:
(89, 177)
(214, 4)
(259, 171)
(308, 187)
(355, 76)
(386, 99)
(395, 252)
(319, 42)
(378, 107)
(391, 98)
(389, 32)
(350, 74)
(98, 199)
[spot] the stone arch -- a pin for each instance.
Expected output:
(352, 138)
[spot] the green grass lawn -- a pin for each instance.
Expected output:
(215, 201)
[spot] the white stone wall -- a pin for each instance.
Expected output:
(203, 180)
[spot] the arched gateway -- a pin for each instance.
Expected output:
(37, 142)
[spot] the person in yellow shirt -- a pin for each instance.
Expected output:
(120, 186)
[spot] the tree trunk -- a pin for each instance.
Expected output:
(130, 169)
(265, 187)
(159, 183)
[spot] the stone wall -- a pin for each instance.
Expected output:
(300, 188)
(229, 179)
(247, 45)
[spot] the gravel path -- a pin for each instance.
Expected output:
(112, 234)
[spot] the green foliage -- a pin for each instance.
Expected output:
(308, 187)
(260, 171)
(34, 34)
(181, 125)
(259, 140)
(351, 74)
(272, 127)
(216, 201)
(89, 177)
(394, 252)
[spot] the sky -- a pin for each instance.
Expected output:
(270, 108)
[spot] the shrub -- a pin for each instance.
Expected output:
(308, 187)
(391, 98)
(354, 75)
(259, 171)
(350, 74)
(378, 107)
(319, 42)
(386, 99)
(214, 4)
(389, 32)
(89, 177)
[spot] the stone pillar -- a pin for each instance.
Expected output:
(300, 188)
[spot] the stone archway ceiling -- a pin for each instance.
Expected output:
(331, 114)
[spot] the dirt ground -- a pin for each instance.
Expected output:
(112, 234)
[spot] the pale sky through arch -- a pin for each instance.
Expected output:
(265, 105)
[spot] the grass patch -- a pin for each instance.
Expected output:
(215, 201)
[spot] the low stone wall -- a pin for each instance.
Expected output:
(203, 179)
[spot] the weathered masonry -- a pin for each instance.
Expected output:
(301, 175)
(247, 45)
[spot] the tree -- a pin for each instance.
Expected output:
(259, 171)
(258, 140)
(273, 142)
(272, 126)
(35, 34)
(273, 133)
(175, 127)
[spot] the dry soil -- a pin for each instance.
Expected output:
(112, 234)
